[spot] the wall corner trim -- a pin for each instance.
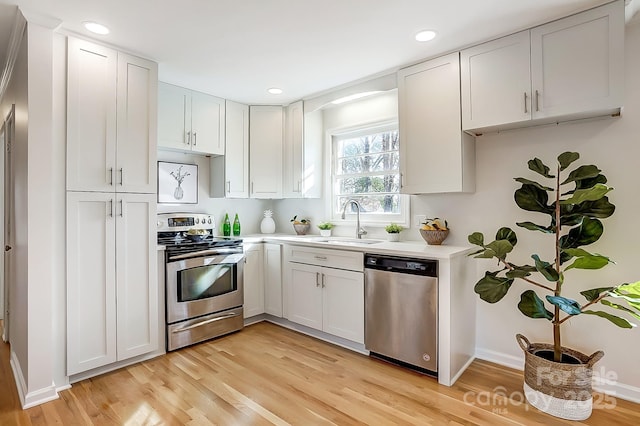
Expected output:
(30, 399)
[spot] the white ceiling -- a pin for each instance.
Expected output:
(236, 49)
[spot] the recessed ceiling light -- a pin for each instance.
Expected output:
(425, 35)
(354, 97)
(96, 28)
(275, 91)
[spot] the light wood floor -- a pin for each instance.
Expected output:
(270, 375)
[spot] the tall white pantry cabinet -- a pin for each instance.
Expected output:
(112, 292)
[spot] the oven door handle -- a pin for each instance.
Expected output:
(203, 253)
(205, 322)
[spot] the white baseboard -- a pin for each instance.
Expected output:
(33, 398)
(616, 389)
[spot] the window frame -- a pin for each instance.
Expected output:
(375, 219)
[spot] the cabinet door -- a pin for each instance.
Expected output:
(343, 304)
(91, 281)
(576, 63)
(137, 286)
(236, 159)
(496, 82)
(91, 117)
(293, 151)
(272, 279)
(174, 106)
(305, 295)
(265, 145)
(253, 280)
(435, 156)
(137, 117)
(207, 124)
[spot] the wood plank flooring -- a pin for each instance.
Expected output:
(268, 375)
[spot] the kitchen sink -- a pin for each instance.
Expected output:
(345, 241)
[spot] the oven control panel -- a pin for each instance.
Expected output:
(177, 222)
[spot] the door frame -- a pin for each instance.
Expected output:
(8, 136)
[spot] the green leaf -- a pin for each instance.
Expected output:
(620, 322)
(581, 173)
(594, 293)
(589, 182)
(590, 194)
(533, 199)
(534, 183)
(539, 167)
(629, 292)
(505, 233)
(586, 260)
(567, 305)
(517, 273)
(534, 227)
(601, 208)
(532, 306)
(566, 158)
(589, 231)
(485, 254)
(546, 269)
(500, 248)
(620, 307)
(492, 288)
(477, 238)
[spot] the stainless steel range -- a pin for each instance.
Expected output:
(204, 279)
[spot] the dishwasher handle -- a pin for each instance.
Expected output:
(403, 265)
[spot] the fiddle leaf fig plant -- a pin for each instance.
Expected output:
(574, 203)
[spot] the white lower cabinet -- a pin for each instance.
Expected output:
(112, 292)
(253, 280)
(273, 279)
(327, 299)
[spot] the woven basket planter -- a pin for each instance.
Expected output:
(562, 389)
(301, 228)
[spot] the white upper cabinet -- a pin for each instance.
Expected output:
(230, 173)
(266, 130)
(568, 69)
(111, 120)
(435, 155)
(293, 150)
(496, 82)
(577, 63)
(190, 120)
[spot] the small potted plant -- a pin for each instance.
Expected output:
(434, 231)
(393, 229)
(325, 228)
(301, 226)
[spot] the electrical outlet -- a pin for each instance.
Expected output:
(418, 219)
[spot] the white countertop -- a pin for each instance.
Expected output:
(402, 248)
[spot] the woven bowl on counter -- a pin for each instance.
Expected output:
(435, 237)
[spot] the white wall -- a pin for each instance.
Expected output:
(611, 144)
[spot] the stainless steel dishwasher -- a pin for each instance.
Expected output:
(401, 311)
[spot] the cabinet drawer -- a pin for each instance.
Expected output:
(340, 259)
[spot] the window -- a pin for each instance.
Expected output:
(365, 168)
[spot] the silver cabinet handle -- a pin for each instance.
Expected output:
(317, 279)
(195, 138)
(111, 207)
(187, 140)
(322, 280)
(525, 103)
(228, 186)
(111, 176)
(401, 180)
(121, 209)
(537, 101)
(205, 322)
(320, 257)
(121, 177)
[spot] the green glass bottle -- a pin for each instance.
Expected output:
(226, 226)
(236, 226)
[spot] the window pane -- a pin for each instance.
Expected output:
(368, 184)
(376, 142)
(380, 204)
(368, 163)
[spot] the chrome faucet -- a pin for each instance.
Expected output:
(359, 230)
